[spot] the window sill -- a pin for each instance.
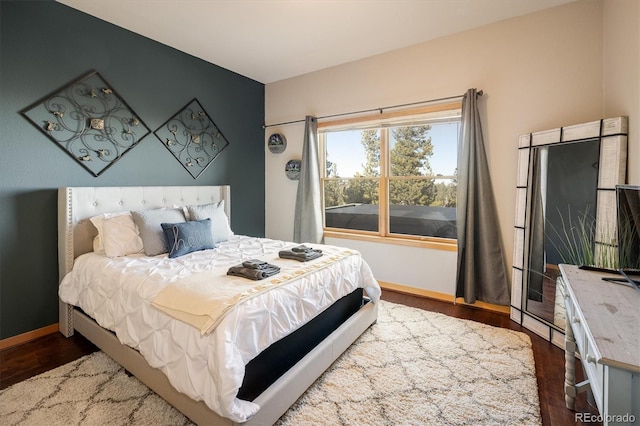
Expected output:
(421, 242)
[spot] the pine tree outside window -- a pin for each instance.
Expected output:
(392, 177)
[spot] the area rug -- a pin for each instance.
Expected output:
(413, 367)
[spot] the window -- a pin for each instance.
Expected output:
(392, 177)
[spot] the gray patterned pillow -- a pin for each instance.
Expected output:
(149, 223)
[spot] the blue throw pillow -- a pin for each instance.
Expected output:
(187, 237)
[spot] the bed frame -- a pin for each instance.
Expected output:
(75, 237)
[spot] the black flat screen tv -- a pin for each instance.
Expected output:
(628, 211)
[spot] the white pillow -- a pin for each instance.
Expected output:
(117, 235)
(97, 222)
(220, 229)
(121, 236)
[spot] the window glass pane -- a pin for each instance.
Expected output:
(444, 137)
(420, 173)
(351, 203)
(353, 153)
(424, 150)
(425, 207)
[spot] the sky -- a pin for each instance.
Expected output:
(344, 149)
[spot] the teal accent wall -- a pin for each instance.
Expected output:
(43, 46)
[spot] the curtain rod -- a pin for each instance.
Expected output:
(480, 92)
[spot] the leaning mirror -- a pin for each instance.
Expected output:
(565, 213)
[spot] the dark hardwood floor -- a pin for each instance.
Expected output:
(29, 359)
(32, 358)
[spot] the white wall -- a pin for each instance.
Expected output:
(621, 66)
(538, 72)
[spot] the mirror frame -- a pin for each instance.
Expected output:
(612, 133)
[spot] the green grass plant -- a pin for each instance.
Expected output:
(576, 242)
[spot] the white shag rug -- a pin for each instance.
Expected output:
(413, 367)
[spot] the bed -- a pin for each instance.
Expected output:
(272, 375)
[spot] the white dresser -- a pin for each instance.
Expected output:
(603, 326)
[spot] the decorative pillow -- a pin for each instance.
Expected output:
(98, 221)
(187, 237)
(220, 230)
(149, 224)
(120, 236)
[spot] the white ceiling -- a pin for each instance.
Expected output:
(271, 40)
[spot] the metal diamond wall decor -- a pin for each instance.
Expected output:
(193, 138)
(89, 121)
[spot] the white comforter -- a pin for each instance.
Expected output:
(117, 293)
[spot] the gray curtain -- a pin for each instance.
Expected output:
(307, 224)
(482, 269)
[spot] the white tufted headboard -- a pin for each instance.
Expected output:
(77, 205)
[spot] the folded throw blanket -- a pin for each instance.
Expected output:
(203, 299)
(300, 253)
(265, 271)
